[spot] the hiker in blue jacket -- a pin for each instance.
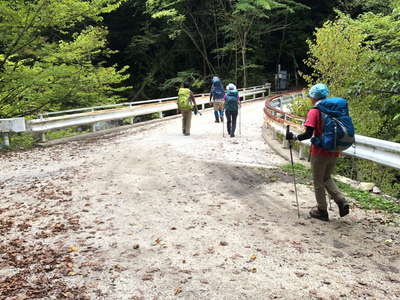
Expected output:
(217, 95)
(232, 103)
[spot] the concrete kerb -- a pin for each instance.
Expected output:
(276, 145)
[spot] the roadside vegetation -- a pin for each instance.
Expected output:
(363, 199)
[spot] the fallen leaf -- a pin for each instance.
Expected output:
(299, 274)
(147, 277)
(178, 291)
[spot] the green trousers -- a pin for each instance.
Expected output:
(186, 121)
(322, 169)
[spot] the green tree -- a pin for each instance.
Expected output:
(245, 17)
(50, 59)
(239, 21)
(359, 60)
(339, 58)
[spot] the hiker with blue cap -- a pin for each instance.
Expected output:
(217, 95)
(325, 150)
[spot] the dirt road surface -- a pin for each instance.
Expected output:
(152, 214)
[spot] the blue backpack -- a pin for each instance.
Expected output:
(217, 90)
(337, 126)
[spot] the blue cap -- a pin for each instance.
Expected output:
(319, 91)
(215, 79)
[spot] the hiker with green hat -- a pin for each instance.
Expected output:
(185, 103)
(323, 161)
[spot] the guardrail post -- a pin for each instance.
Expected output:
(274, 134)
(302, 151)
(285, 143)
(93, 126)
(131, 119)
(161, 114)
(203, 106)
(43, 137)
(6, 139)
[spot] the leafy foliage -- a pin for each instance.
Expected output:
(368, 201)
(300, 106)
(357, 60)
(49, 58)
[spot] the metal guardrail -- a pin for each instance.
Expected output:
(91, 115)
(382, 152)
(130, 104)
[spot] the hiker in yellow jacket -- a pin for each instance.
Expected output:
(186, 102)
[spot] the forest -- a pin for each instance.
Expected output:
(63, 54)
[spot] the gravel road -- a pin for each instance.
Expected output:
(152, 214)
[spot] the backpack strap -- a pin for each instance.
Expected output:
(321, 119)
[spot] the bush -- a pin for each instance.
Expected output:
(63, 133)
(22, 140)
(388, 179)
(300, 106)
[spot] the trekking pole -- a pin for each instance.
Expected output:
(240, 120)
(294, 175)
(223, 127)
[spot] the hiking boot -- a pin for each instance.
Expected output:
(232, 135)
(186, 133)
(344, 208)
(216, 121)
(222, 118)
(319, 214)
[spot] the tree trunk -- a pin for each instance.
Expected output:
(204, 50)
(244, 60)
(210, 66)
(236, 64)
(216, 38)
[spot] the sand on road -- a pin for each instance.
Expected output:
(152, 214)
